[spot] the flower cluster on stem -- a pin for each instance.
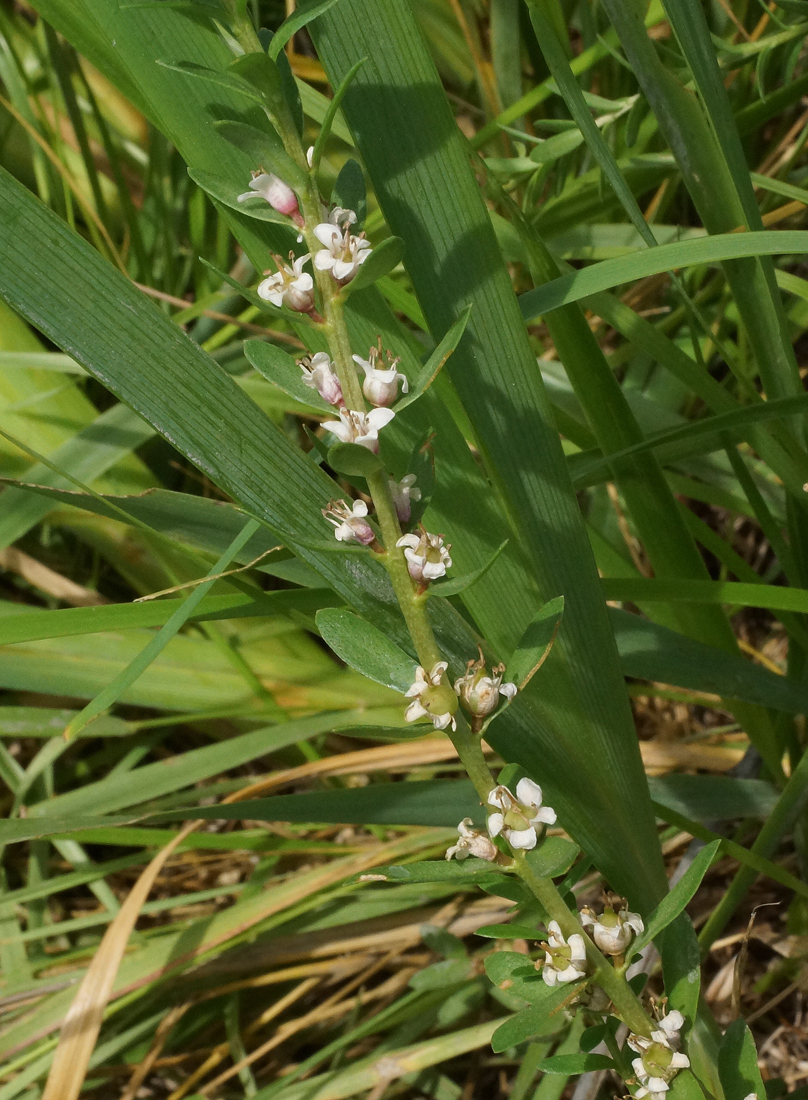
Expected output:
(659, 1058)
(414, 558)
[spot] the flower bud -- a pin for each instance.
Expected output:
(614, 930)
(278, 194)
(403, 492)
(380, 386)
(318, 374)
(479, 693)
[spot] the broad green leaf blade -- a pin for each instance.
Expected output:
(418, 164)
(652, 261)
(362, 646)
(709, 798)
(535, 644)
(674, 903)
(455, 585)
(435, 362)
(738, 1064)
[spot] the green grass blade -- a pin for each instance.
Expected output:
(639, 265)
(416, 160)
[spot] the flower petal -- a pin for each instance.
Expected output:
(528, 792)
(522, 838)
(495, 823)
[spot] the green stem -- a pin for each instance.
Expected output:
(614, 984)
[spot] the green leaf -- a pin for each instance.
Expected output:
(70, 621)
(572, 1064)
(363, 646)
(738, 1064)
(545, 1017)
(89, 454)
(124, 680)
(509, 932)
(282, 369)
(456, 585)
(445, 973)
(222, 190)
(652, 261)
(674, 902)
(553, 857)
(649, 651)
(643, 590)
(262, 73)
(223, 79)
(535, 644)
(331, 113)
(349, 188)
(303, 14)
(266, 150)
(681, 966)
(381, 261)
(441, 870)
(354, 460)
(435, 362)
(432, 802)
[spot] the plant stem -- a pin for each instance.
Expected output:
(614, 984)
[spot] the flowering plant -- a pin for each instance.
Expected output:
(405, 460)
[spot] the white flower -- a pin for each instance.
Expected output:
(613, 930)
(318, 374)
(520, 815)
(359, 427)
(278, 194)
(659, 1061)
(403, 492)
(427, 557)
(350, 523)
(564, 960)
(381, 386)
(342, 217)
(289, 286)
(343, 253)
(310, 156)
(471, 843)
(432, 698)
(479, 693)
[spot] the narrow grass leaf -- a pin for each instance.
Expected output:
(674, 903)
(665, 257)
